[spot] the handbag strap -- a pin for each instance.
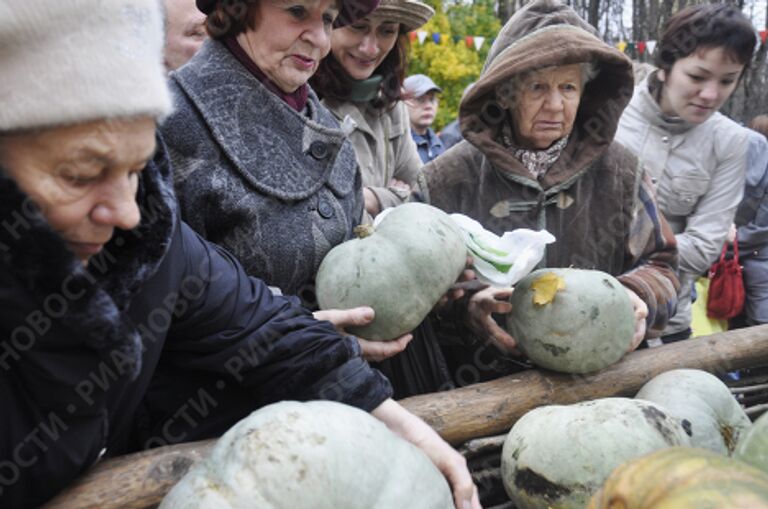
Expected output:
(735, 250)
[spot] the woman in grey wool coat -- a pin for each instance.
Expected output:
(261, 167)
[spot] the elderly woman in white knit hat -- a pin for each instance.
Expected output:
(114, 315)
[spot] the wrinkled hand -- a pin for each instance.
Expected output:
(481, 306)
(373, 351)
(452, 464)
(641, 313)
(731, 238)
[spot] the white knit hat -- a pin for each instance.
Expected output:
(65, 62)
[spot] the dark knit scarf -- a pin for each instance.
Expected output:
(296, 99)
(42, 263)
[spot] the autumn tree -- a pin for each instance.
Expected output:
(452, 63)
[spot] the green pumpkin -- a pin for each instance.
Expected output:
(316, 455)
(753, 446)
(716, 419)
(583, 324)
(400, 269)
(683, 478)
(558, 456)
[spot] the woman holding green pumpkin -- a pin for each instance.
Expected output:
(360, 82)
(261, 166)
(538, 153)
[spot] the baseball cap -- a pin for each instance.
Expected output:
(418, 85)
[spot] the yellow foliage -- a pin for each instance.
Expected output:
(451, 64)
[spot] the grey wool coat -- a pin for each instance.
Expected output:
(276, 187)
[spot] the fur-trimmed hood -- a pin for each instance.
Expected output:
(91, 298)
(547, 33)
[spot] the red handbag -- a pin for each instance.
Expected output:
(726, 286)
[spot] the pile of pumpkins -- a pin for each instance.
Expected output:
(682, 441)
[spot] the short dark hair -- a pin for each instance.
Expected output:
(230, 18)
(706, 26)
(332, 81)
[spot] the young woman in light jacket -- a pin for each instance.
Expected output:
(360, 82)
(696, 156)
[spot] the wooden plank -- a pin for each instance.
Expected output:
(141, 480)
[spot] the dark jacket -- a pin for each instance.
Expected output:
(275, 187)
(595, 199)
(162, 338)
(429, 145)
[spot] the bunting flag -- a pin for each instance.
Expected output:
(476, 42)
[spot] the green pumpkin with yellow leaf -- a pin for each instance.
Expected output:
(571, 320)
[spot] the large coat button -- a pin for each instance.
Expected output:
(318, 150)
(325, 209)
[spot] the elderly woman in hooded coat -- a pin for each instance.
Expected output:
(539, 153)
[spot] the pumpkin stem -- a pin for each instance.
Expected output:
(363, 230)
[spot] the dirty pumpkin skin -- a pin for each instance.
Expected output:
(558, 456)
(717, 420)
(571, 320)
(315, 455)
(400, 269)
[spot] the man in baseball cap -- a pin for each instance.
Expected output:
(421, 97)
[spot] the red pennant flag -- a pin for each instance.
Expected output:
(470, 41)
(412, 36)
(763, 35)
(640, 47)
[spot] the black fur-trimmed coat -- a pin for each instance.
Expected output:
(163, 338)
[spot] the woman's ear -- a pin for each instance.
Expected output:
(661, 75)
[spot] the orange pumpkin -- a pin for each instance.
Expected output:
(683, 478)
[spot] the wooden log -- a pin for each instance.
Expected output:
(493, 407)
(141, 480)
(133, 481)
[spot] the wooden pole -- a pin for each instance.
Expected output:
(493, 407)
(141, 480)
